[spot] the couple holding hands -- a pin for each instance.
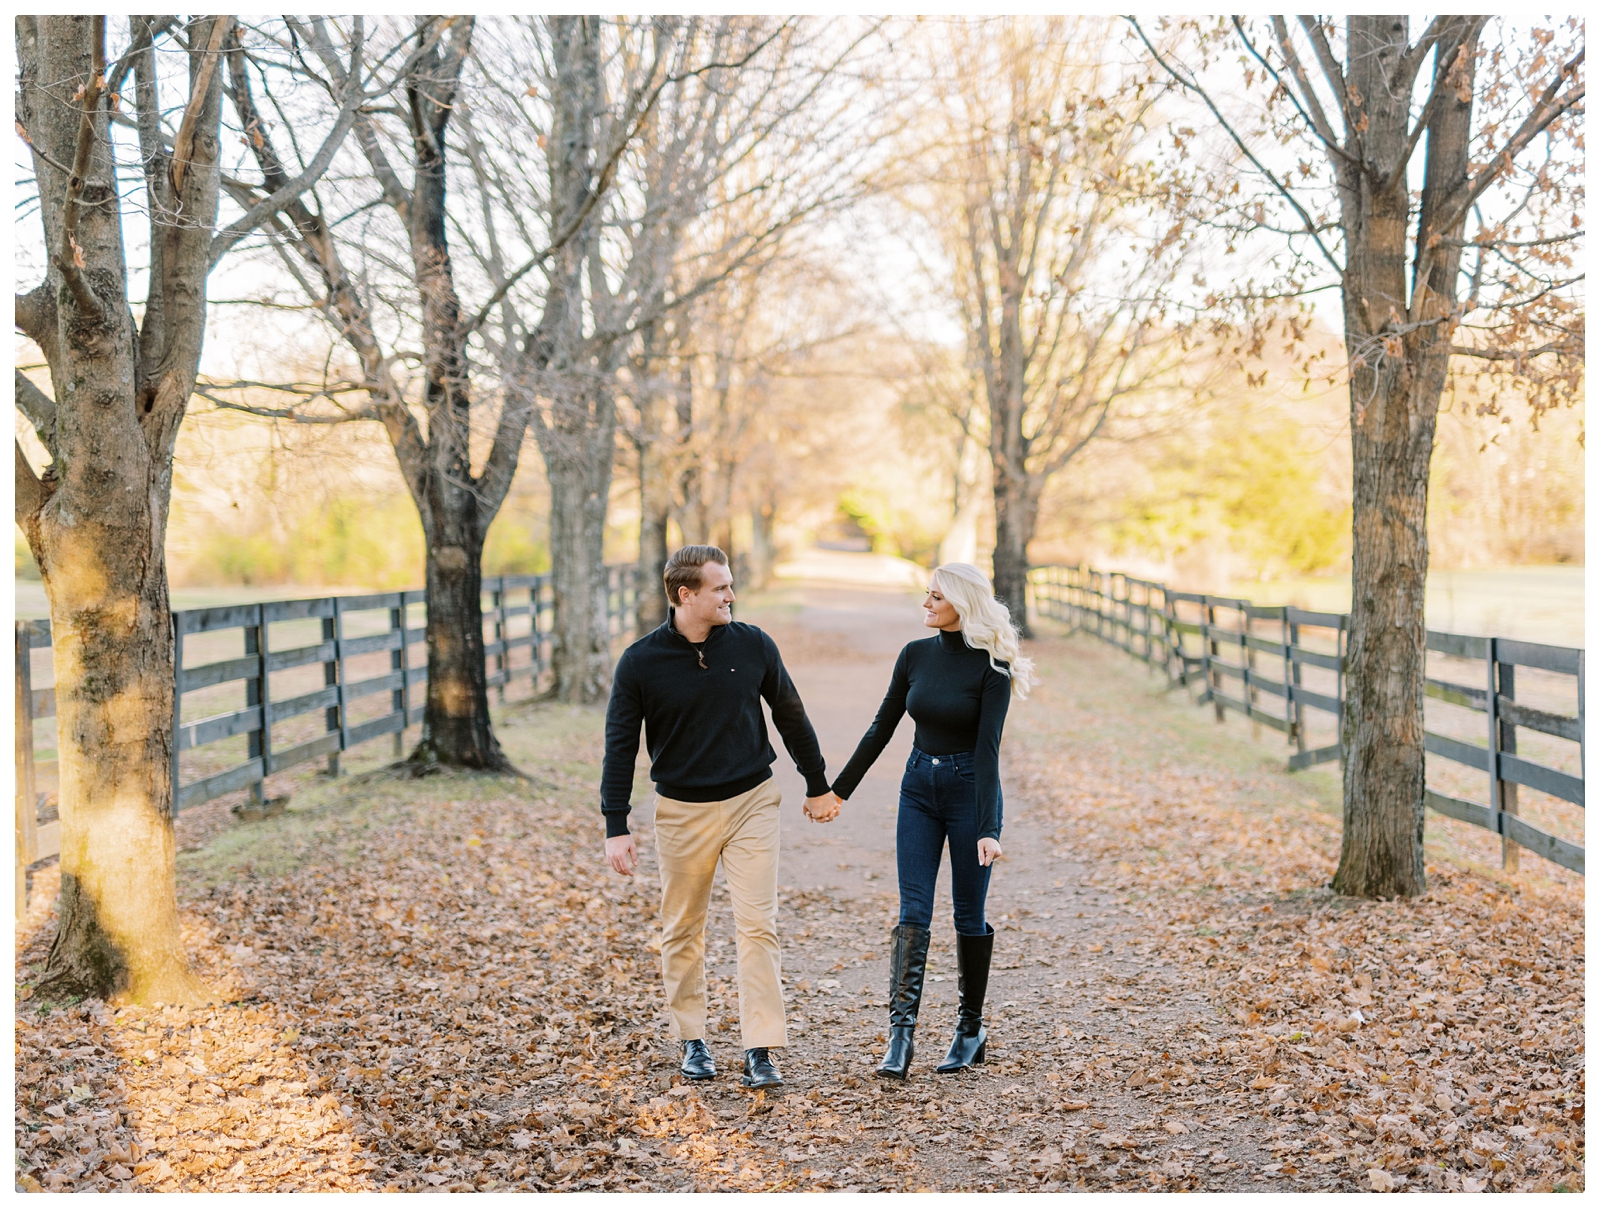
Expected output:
(696, 684)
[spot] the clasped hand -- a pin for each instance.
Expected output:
(824, 808)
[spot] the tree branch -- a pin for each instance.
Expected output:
(183, 145)
(288, 191)
(30, 492)
(1317, 118)
(35, 315)
(1334, 74)
(1405, 73)
(1467, 45)
(395, 193)
(1544, 112)
(125, 63)
(1500, 243)
(1563, 348)
(289, 413)
(592, 197)
(69, 256)
(40, 409)
(1283, 190)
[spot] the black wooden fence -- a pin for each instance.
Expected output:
(237, 718)
(1283, 667)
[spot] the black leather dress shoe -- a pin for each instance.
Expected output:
(697, 1065)
(759, 1072)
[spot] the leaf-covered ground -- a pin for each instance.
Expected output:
(1430, 1044)
(433, 985)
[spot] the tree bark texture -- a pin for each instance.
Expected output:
(763, 543)
(1015, 514)
(660, 452)
(1398, 373)
(580, 486)
(655, 512)
(455, 723)
(96, 520)
(1001, 350)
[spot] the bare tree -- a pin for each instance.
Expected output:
(751, 404)
(720, 126)
(1064, 291)
(428, 424)
(942, 415)
(567, 262)
(96, 517)
(1437, 181)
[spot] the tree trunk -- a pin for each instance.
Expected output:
(456, 510)
(655, 489)
(113, 651)
(578, 465)
(960, 542)
(1015, 513)
(455, 724)
(655, 511)
(97, 521)
(1381, 853)
(1396, 382)
(763, 546)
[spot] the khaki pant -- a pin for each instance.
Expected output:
(691, 836)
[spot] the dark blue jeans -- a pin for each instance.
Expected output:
(939, 801)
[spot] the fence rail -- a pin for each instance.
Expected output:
(1231, 648)
(311, 720)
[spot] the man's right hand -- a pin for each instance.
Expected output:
(622, 854)
(824, 808)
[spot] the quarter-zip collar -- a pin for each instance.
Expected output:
(668, 627)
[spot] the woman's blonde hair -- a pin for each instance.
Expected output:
(985, 622)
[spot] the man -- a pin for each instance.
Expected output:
(696, 683)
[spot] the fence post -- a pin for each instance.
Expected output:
(405, 653)
(177, 699)
(27, 798)
(1291, 676)
(1251, 693)
(1213, 677)
(341, 678)
(1502, 738)
(1149, 625)
(258, 691)
(1341, 646)
(330, 679)
(535, 642)
(1171, 639)
(503, 659)
(397, 662)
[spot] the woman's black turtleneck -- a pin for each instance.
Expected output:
(959, 704)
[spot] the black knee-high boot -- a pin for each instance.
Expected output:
(971, 1043)
(908, 962)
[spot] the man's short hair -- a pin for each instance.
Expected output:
(683, 569)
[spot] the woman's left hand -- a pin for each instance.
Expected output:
(988, 851)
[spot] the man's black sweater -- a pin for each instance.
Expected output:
(703, 726)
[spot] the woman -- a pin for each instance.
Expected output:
(956, 685)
